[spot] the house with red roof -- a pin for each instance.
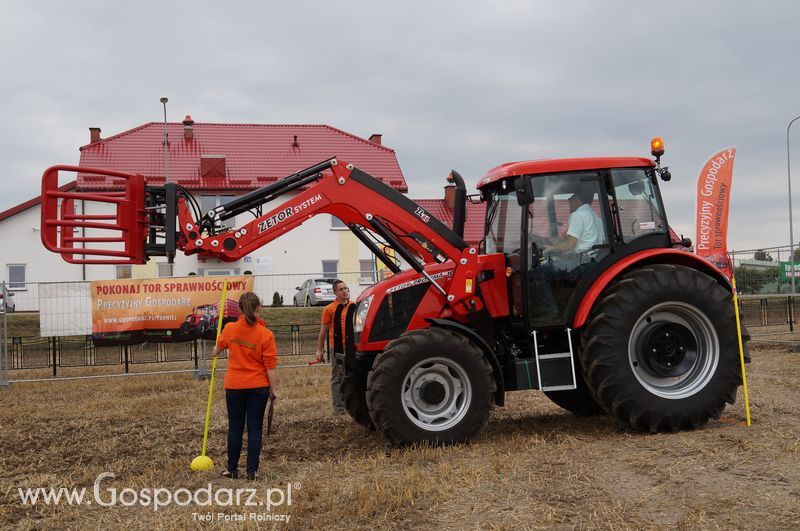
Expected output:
(214, 162)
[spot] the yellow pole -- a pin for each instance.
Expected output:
(214, 363)
(741, 350)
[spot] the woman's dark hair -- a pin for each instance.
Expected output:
(248, 304)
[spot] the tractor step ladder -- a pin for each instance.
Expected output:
(556, 370)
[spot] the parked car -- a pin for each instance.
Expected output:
(314, 291)
(7, 305)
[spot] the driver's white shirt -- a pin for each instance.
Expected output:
(586, 227)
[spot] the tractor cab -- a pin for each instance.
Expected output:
(562, 223)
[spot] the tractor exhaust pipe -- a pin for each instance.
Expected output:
(459, 203)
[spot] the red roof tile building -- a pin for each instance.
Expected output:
(232, 156)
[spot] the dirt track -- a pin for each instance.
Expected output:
(535, 466)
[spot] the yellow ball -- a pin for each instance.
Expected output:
(202, 463)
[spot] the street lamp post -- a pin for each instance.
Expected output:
(164, 101)
(791, 225)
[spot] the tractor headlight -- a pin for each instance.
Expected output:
(361, 314)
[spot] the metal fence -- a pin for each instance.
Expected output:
(768, 310)
(54, 353)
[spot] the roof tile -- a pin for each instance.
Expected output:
(473, 225)
(255, 154)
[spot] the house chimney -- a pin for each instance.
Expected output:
(94, 135)
(375, 138)
(450, 196)
(188, 132)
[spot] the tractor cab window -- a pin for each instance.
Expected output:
(503, 218)
(566, 239)
(638, 204)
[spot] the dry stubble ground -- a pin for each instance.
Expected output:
(534, 466)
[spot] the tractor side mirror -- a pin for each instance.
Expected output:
(524, 189)
(636, 188)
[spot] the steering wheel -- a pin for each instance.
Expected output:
(536, 244)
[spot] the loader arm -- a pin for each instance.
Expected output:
(362, 202)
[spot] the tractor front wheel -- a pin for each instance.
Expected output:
(661, 351)
(430, 385)
(354, 393)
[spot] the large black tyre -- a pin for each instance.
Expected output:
(580, 401)
(354, 394)
(430, 385)
(661, 351)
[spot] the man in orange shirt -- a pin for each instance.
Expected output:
(337, 323)
(249, 382)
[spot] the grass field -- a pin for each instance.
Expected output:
(534, 466)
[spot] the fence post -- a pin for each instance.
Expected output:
(790, 308)
(4, 369)
(126, 353)
(295, 339)
(52, 342)
(203, 373)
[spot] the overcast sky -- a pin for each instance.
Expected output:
(450, 85)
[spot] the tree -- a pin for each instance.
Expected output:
(762, 256)
(753, 281)
(277, 299)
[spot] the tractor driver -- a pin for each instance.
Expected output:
(584, 229)
(573, 252)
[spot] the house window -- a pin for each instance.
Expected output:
(165, 270)
(330, 268)
(208, 202)
(123, 271)
(337, 223)
(16, 276)
(367, 272)
(220, 272)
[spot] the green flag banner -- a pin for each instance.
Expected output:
(789, 270)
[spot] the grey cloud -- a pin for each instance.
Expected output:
(463, 85)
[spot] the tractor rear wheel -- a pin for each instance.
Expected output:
(430, 385)
(354, 392)
(661, 351)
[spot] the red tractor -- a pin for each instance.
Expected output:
(620, 321)
(202, 322)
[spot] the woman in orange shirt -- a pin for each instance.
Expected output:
(249, 382)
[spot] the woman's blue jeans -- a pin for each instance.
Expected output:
(245, 406)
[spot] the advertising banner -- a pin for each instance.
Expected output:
(713, 201)
(163, 309)
(789, 270)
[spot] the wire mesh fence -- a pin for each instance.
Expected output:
(766, 271)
